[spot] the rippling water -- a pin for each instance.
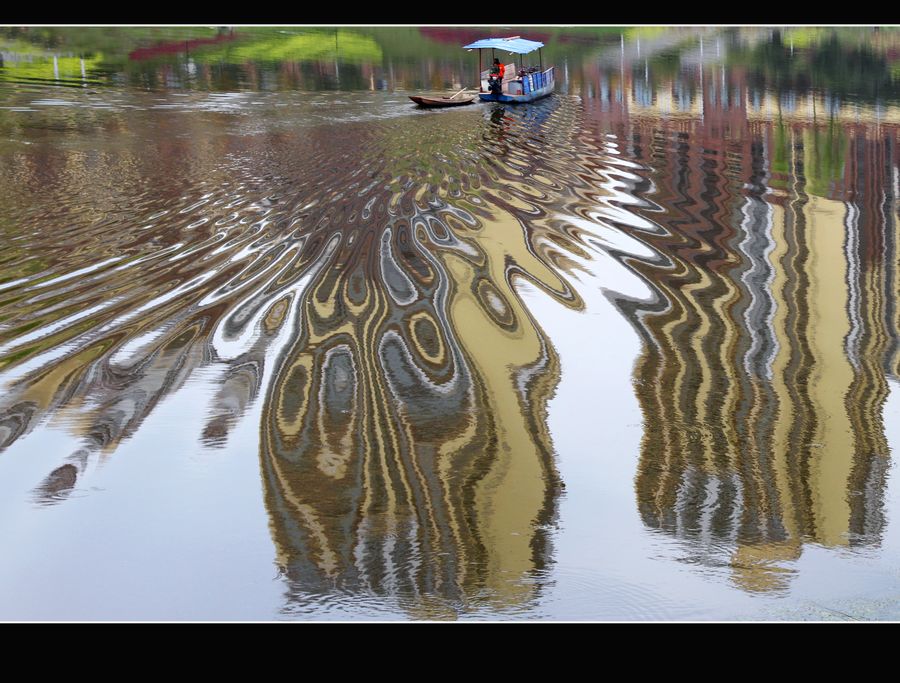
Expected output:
(624, 353)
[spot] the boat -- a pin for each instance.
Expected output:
(520, 83)
(443, 100)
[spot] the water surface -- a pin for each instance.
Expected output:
(276, 344)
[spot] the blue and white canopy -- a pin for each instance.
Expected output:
(518, 45)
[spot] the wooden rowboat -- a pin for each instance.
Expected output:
(443, 100)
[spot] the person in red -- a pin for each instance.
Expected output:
(495, 79)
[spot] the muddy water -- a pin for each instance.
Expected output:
(624, 353)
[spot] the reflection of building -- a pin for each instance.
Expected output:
(404, 442)
(404, 384)
(99, 411)
(762, 378)
(65, 352)
(872, 255)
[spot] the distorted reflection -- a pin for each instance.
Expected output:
(363, 288)
(404, 442)
(770, 333)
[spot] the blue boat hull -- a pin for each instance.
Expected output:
(514, 99)
(528, 87)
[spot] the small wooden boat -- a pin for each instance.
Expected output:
(443, 100)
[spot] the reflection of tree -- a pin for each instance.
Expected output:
(46, 68)
(844, 68)
(164, 57)
(311, 45)
(823, 157)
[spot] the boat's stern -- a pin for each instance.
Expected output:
(524, 88)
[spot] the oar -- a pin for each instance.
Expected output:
(461, 91)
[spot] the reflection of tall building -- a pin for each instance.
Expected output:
(773, 322)
(871, 248)
(404, 443)
(761, 431)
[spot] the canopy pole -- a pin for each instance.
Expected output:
(541, 57)
(480, 89)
